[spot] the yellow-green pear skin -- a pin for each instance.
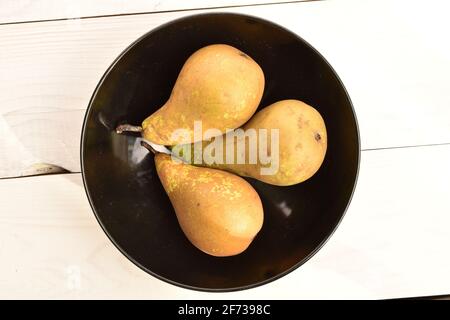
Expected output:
(302, 143)
(219, 212)
(218, 85)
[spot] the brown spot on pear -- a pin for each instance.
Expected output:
(243, 55)
(317, 136)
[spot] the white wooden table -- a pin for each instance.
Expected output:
(393, 57)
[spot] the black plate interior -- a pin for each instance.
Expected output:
(124, 189)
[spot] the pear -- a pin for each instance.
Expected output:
(220, 213)
(218, 85)
(301, 147)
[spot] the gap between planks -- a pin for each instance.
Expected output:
(160, 11)
(362, 150)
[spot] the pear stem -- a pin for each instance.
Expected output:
(148, 147)
(128, 128)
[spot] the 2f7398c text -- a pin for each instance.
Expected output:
(225, 309)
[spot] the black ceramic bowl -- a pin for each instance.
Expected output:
(123, 187)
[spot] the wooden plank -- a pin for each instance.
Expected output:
(39, 139)
(13, 11)
(391, 243)
(395, 71)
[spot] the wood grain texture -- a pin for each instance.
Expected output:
(13, 11)
(392, 242)
(395, 70)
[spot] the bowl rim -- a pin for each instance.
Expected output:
(182, 285)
